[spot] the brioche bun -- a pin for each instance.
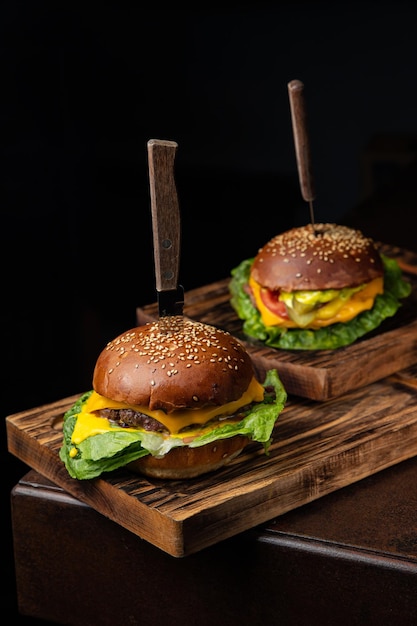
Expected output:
(328, 256)
(176, 363)
(173, 363)
(186, 462)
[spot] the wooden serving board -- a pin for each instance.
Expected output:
(317, 449)
(317, 374)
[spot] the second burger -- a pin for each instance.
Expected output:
(316, 288)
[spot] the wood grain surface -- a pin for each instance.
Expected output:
(318, 447)
(318, 374)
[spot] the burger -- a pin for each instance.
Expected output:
(316, 287)
(172, 399)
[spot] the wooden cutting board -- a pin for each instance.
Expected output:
(317, 374)
(317, 449)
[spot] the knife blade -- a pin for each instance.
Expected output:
(166, 226)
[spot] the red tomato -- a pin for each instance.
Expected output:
(270, 300)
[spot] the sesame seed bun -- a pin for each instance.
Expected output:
(176, 363)
(186, 462)
(173, 363)
(329, 257)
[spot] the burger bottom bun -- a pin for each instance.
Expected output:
(186, 462)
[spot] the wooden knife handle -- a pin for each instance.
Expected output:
(165, 213)
(301, 139)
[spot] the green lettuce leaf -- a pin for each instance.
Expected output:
(108, 451)
(330, 337)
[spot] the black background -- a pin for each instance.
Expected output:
(86, 85)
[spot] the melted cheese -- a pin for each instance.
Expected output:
(88, 423)
(330, 313)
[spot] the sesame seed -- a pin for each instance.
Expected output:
(178, 339)
(332, 238)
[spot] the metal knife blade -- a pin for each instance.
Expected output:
(166, 226)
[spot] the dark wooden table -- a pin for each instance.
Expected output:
(347, 558)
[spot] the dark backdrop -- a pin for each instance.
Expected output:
(86, 85)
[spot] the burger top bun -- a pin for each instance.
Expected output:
(173, 363)
(329, 257)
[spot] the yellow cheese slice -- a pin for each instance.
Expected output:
(362, 300)
(88, 423)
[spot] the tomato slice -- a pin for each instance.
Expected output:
(271, 300)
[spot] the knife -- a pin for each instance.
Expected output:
(165, 226)
(302, 143)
